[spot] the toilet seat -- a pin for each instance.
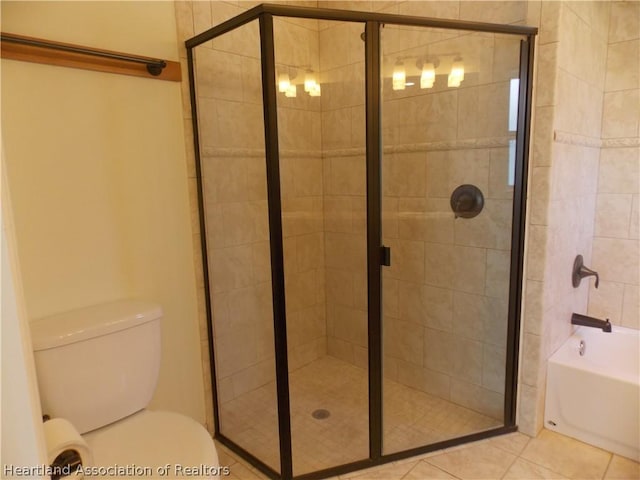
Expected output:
(155, 439)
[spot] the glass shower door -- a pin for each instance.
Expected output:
(321, 135)
(317, 141)
(234, 180)
(449, 108)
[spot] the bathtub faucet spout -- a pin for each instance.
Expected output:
(577, 319)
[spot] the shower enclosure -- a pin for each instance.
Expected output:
(361, 187)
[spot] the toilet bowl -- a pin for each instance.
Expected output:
(97, 367)
(161, 440)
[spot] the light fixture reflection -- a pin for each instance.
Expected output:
(457, 74)
(399, 78)
(291, 91)
(290, 74)
(315, 90)
(311, 86)
(309, 82)
(283, 82)
(428, 76)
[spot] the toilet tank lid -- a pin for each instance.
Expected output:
(96, 320)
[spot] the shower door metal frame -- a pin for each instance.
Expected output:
(372, 21)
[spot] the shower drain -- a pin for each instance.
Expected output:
(320, 414)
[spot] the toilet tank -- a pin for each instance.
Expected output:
(98, 364)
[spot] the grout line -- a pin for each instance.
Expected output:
(606, 470)
(510, 465)
(433, 466)
(440, 468)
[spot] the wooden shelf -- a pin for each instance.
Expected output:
(92, 60)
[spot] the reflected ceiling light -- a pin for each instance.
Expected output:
(291, 92)
(458, 69)
(283, 82)
(457, 74)
(315, 90)
(428, 76)
(311, 86)
(309, 82)
(399, 78)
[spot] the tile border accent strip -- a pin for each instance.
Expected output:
(472, 143)
(582, 140)
(576, 139)
(621, 142)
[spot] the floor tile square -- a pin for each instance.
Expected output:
(383, 472)
(478, 462)
(622, 468)
(512, 442)
(525, 470)
(567, 456)
(425, 471)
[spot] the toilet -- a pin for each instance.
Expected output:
(97, 367)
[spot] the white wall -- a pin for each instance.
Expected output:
(98, 178)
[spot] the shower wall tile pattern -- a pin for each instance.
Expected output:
(344, 173)
(296, 43)
(236, 217)
(615, 242)
(585, 123)
(450, 276)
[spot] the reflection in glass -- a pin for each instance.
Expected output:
(322, 178)
(445, 296)
(229, 101)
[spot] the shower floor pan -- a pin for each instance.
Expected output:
(413, 418)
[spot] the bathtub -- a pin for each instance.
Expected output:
(595, 397)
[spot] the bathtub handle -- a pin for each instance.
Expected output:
(580, 271)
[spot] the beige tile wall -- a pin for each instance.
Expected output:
(561, 204)
(234, 177)
(236, 217)
(615, 242)
(449, 277)
(546, 16)
(299, 127)
(420, 306)
(582, 187)
(344, 182)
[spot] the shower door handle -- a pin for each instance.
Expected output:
(385, 256)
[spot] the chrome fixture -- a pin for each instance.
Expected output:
(582, 348)
(580, 271)
(586, 321)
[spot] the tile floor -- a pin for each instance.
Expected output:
(511, 457)
(412, 418)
